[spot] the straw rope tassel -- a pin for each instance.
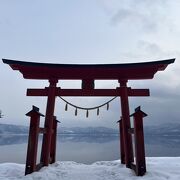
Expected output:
(97, 111)
(76, 112)
(107, 106)
(87, 109)
(66, 107)
(87, 113)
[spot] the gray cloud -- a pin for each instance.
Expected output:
(135, 18)
(150, 50)
(146, 15)
(150, 47)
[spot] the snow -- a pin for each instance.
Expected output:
(165, 168)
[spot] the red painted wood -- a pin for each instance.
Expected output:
(37, 92)
(46, 145)
(126, 124)
(32, 140)
(139, 142)
(98, 74)
(145, 70)
(53, 141)
(42, 130)
(88, 92)
(122, 142)
(87, 84)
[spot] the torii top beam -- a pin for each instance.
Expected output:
(128, 71)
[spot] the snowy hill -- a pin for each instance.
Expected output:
(13, 129)
(157, 169)
(163, 130)
(87, 130)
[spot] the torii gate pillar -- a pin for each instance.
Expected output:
(46, 144)
(126, 123)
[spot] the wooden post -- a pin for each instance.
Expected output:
(121, 139)
(53, 141)
(33, 140)
(122, 143)
(88, 84)
(128, 149)
(46, 144)
(139, 142)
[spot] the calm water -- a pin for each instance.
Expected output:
(86, 149)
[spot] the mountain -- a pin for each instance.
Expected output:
(16, 129)
(87, 130)
(13, 129)
(161, 130)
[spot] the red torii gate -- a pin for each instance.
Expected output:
(88, 74)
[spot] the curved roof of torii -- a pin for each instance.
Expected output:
(132, 71)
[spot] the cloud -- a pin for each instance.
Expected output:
(134, 18)
(150, 48)
(146, 15)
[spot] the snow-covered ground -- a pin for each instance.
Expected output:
(158, 169)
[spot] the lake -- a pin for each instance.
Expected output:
(86, 148)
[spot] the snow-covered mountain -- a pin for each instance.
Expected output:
(163, 130)
(13, 129)
(87, 130)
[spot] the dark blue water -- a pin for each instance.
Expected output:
(86, 149)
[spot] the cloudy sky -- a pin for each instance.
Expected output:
(90, 31)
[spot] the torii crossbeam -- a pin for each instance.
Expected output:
(88, 73)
